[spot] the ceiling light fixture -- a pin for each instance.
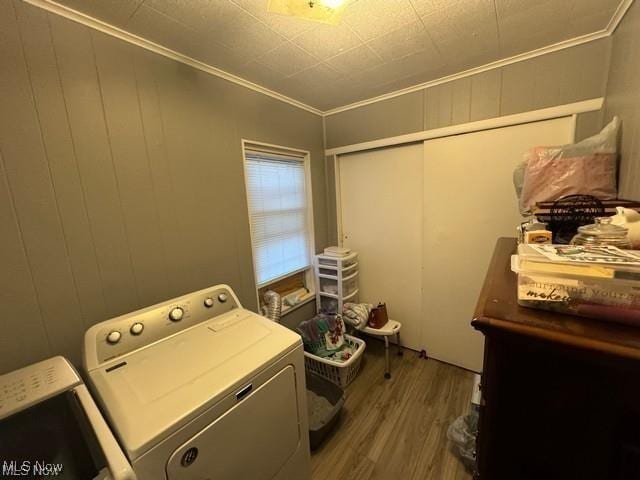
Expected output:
(325, 11)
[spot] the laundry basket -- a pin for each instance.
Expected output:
(340, 373)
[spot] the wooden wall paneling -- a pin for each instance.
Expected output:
(114, 61)
(58, 144)
(219, 169)
(588, 124)
(461, 101)
(195, 155)
(191, 253)
(485, 95)
(395, 116)
(80, 84)
(121, 176)
(550, 72)
(438, 106)
(623, 99)
(27, 173)
(253, 117)
(517, 88)
(164, 190)
(565, 76)
(24, 339)
(584, 77)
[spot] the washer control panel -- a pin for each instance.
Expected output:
(27, 386)
(121, 335)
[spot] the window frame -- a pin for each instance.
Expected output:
(305, 158)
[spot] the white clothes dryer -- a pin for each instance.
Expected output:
(199, 388)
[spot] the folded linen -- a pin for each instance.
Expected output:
(357, 314)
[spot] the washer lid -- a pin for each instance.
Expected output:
(152, 392)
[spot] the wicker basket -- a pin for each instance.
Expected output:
(340, 373)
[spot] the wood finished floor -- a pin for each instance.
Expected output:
(396, 429)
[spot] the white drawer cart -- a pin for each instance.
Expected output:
(336, 284)
(336, 281)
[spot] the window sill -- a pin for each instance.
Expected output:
(287, 310)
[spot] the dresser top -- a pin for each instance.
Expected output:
(498, 309)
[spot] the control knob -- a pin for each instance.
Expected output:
(208, 302)
(114, 337)
(176, 314)
(136, 328)
(223, 297)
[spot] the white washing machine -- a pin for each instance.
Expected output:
(51, 427)
(199, 388)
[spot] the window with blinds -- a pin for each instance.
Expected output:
(278, 214)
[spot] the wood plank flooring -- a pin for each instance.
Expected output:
(396, 429)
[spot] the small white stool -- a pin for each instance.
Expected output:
(390, 328)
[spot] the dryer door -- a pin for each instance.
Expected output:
(252, 440)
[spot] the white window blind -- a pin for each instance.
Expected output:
(277, 214)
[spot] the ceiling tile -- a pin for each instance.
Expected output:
(330, 98)
(159, 28)
(320, 73)
(324, 41)
(398, 68)
(200, 15)
(528, 8)
(286, 26)
(315, 83)
(221, 57)
(522, 29)
(472, 59)
(380, 45)
(262, 74)
(586, 7)
(425, 7)
(288, 59)
(114, 12)
(372, 18)
(163, 30)
(471, 20)
(355, 60)
(412, 38)
(223, 22)
(583, 24)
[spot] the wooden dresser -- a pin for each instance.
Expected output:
(560, 394)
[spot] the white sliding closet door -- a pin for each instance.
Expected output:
(469, 202)
(381, 209)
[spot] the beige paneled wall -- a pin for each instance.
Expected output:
(566, 76)
(623, 99)
(121, 180)
(386, 118)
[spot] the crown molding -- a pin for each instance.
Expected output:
(116, 32)
(591, 37)
(618, 15)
